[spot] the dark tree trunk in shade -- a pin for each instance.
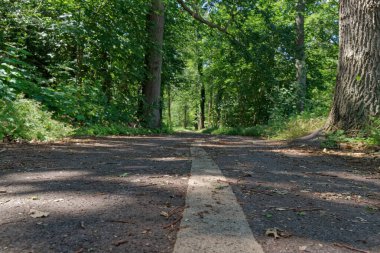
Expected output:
(169, 106)
(202, 117)
(300, 54)
(202, 102)
(79, 63)
(151, 89)
(357, 91)
(107, 78)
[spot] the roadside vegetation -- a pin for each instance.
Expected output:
(265, 69)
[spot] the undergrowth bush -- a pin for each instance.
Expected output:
(116, 129)
(25, 119)
(369, 136)
(280, 128)
(255, 131)
(374, 132)
(296, 126)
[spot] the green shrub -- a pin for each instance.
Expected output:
(255, 131)
(297, 126)
(374, 132)
(25, 119)
(280, 128)
(116, 129)
(369, 136)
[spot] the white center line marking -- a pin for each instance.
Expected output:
(213, 220)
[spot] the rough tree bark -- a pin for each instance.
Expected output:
(151, 89)
(300, 54)
(357, 91)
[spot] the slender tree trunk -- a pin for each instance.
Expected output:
(202, 117)
(357, 91)
(151, 89)
(169, 106)
(185, 120)
(300, 54)
(210, 104)
(107, 78)
(218, 103)
(79, 62)
(202, 102)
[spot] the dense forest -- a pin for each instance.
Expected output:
(236, 66)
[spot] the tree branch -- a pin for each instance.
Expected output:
(212, 25)
(201, 19)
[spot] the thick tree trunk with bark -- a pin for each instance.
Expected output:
(152, 86)
(300, 54)
(357, 92)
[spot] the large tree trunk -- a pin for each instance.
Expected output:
(300, 54)
(152, 86)
(357, 92)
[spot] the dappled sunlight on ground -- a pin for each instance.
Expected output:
(116, 190)
(40, 177)
(97, 192)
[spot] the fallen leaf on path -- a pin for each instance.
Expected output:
(6, 201)
(272, 232)
(171, 225)
(268, 215)
(145, 231)
(38, 214)
(202, 214)
(301, 213)
(126, 174)
(221, 187)
(165, 214)
(120, 242)
(371, 209)
(277, 233)
(360, 220)
(281, 192)
(302, 248)
(34, 198)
